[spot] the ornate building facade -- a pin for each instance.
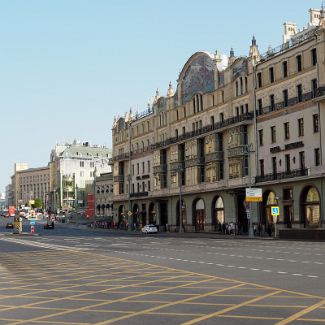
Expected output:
(232, 122)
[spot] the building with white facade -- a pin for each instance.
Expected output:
(72, 168)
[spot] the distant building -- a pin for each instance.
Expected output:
(72, 168)
(30, 184)
(104, 195)
(2, 201)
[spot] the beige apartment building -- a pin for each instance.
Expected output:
(232, 123)
(30, 184)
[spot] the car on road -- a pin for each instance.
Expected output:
(9, 225)
(150, 229)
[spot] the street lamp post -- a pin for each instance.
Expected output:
(180, 169)
(129, 174)
(248, 149)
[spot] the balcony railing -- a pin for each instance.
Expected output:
(292, 101)
(282, 175)
(119, 178)
(291, 43)
(139, 194)
(214, 156)
(160, 169)
(206, 129)
(123, 156)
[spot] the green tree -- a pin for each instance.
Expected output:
(38, 203)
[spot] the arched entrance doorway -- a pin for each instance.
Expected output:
(198, 220)
(269, 199)
(135, 216)
(152, 213)
(121, 217)
(183, 205)
(218, 213)
(310, 206)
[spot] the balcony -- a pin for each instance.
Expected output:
(119, 178)
(242, 150)
(139, 194)
(282, 175)
(214, 156)
(247, 117)
(123, 156)
(160, 169)
(320, 92)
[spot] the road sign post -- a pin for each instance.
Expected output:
(275, 212)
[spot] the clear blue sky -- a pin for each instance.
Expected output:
(68, 66)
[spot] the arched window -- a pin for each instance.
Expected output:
(311, 206)
(219, 211)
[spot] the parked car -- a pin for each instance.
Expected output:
(9, 225)
(49, 225)
(150, 229)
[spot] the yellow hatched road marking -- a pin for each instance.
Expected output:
(169, 304)
(110, 302)
(100, 304)
(220, 312)
(301, 313)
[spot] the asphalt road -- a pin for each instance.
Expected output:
(80, 276)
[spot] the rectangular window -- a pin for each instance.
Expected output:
(82, 164)
(300, 127)
(313, 57)
(262, 167)
(92, 165)
(302, 159)
(285, 69)
(183, 130)
(148, 163)
(132, 170)
(246, 108)
(316, 123)
(274, 168)
(149, 186)
(298, 61)
(138, 169)
(314, 87)
(299, 93)
(286, 131)
(212, 120)
(176, 133)
(285, 97)
(273, 134)
(259, 80)
(241, 109)
(260, 105)
(138, 187)
(272, 103)
(143, 167)
(221, 117)
(260, 137)
(287, 159)
(317, 157)
(271, 73)
(237, 111)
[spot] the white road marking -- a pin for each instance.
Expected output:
(218, 264)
